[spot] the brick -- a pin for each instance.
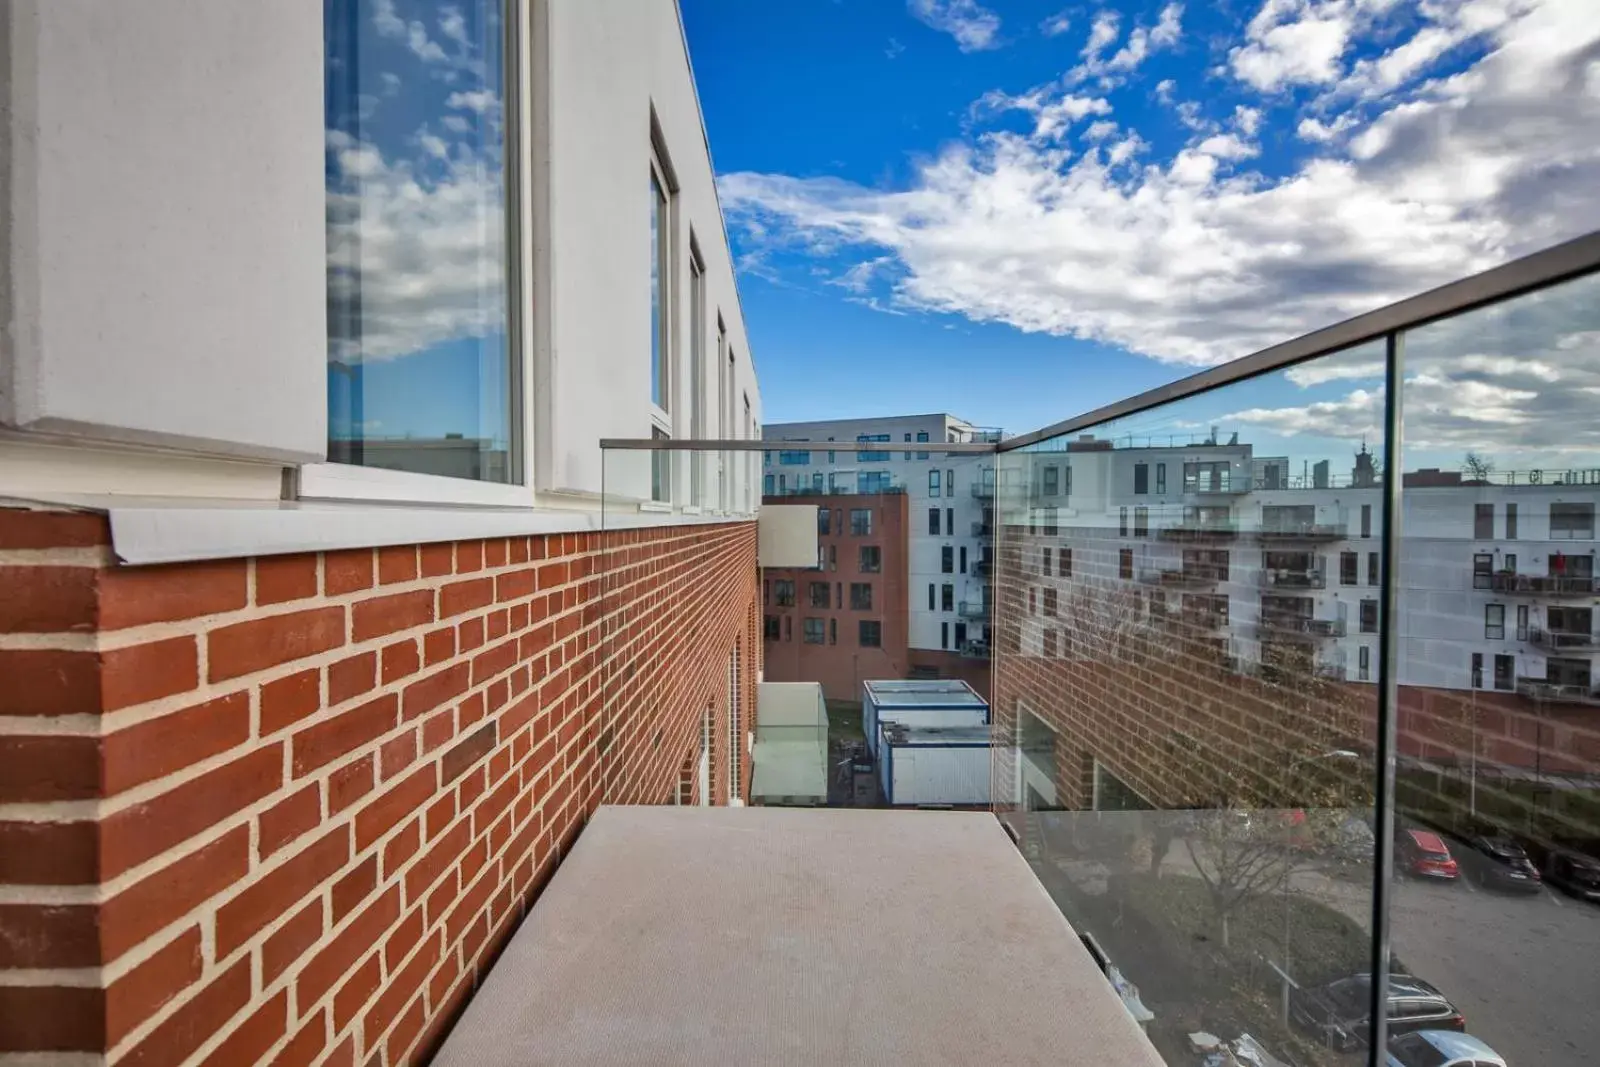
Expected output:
(465, 753)
(437, 729)
(439, 815)
(517, 550)
(469, 556)
(381, 615)
(493, 661)
(302, 1049)
(470, 634)
(340, 955)
(400, 848)
(349, 784)
(400, 660)
(288, 700)
(288, 819)
(352, 676)
(400, 988)
(347, 571)
(470, 710)
(385, 813)
(48, 768)
(141, 673)
(133, 596)
(497, 623)
(356, 991)
(280, 889)
(495, 552)
(51, 1019)
(397, 563)
(142, 991)
(406, 1031)
(280, 579)
(403, 939)
(424, 695)
(166, 896)
(354, 887)
(251, 1039)
(147, 829)
(467, 907)
(158, 747)
(458, 598)
(440, 857)
(437, 560)
(323, 742)
(290, 941)
(48, 600)
(49, 853)
(186, 1029)
(442, 896)
(439, 646)
(398, 754)
(29, 529)
(49, 682)
(246, 647)
(48, 935)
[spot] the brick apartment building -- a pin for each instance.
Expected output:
(321, 632)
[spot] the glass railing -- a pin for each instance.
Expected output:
(1311, 829)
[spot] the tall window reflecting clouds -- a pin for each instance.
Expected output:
(419, 369)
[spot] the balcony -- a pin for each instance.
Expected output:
(1548, 692)
(1303, 533)
(1205, 621)
(983, 490)
(973, 609)
(1194, 578)
(1198, 532)
(982, 568)
(1278, 626)
(1293, 579)
(1563, 640)
(982, 529)
(1540, 585)
(975, 650)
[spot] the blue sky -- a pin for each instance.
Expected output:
(1018, 211)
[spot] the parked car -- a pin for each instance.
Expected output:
(1441, 1048)
(1574, 873)
(1423, 853)
(1337, 1013)
(1502, 863)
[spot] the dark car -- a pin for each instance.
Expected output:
(1338, 1013)
(1424, 854)
(1573, 873)
(1501, 863)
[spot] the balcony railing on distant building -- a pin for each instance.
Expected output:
(1542, 689)
(1304, 531)
(1190, 578)
(975, 650)
(1283, 625)
(870, 489)
(983, 490)
(982, 529)
(982, 568)
(1277, 578)
(973, 609)
(1199, 531)
(1539, 584)
(1563, 640)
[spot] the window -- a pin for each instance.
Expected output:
(1511, 522)
(1122, 521)
(1477, 670)
(873, 482)
(1125, 563)
(1141, 521)
(949, 483)
(1044, 563)
(1505, 668)
(1064, 563)
(1211, 477)
(962, 565)
(1366, 520)
(860, 596)
(1494, 622)
(922, 437)
(1066, 484)
(949, 522)
(769, 627)
(833, 555)
(1049, 644)
(1033, 601)
(944, 635)
(1482, 570)
(1483, 522)
(766, 485)
(933, 479)
(1363, 664)
(1051, 518)
(1347, 568)
(660, 290)
(1372, 568)
(1052, 481)
(870, 634)
(1572, 522)
(933, 522)
(833, 631)
(871, 456)
(838, 595)
(1161, 478)
(820, 594)
(871, 559)
(908, 440)
(1050, 601)
(1510, 563)
(947, 597)
(861, 522)
(931, 597)
(961, 634)
(1369, 616)
(824, 527)
(832, 456)
(813, 632)
(783, 592)
(661, 470)
(1522, 622)
(947, 560)
(788, 628)
(1141, 478)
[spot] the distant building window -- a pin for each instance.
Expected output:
(871, 559)
(1052, 481)
(769, 627)
(908, 441)
(933, 522)
(1066, 485)
(824, 527)
(1494, 622)
(1064, 563)
(783, 592)
(1122, 521)
(944, 635)
(1483, 521)
(1050, 521)
(1044, 563)
(794, 458)
(947, 560)
(932, 597)
(1161, 478)
(872, 456)
(833, 556)
(1482, 570)
(788, 628)
(1141, 478)
(949, 522)
(1049, 644)
(1050, 601)
(1572, 522)
(933, 481)
(1511, 522)
(767, 485)
(947, 597)
(814, 632)
(1348, 562)
(873, 482)
(949, 482)
(1363, 664)
(1141, 521)
(861, 522)
(833, 631)
(1372, 568)
(860, 596)
(961, 635)
(1125, 563)
(1505, 668)
(870, 633)
(1477, 670)
(922, 438)
(1369, 616)
(1366, 520)
(820, 594)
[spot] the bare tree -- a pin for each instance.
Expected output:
(1477, 468)
(1239, 856)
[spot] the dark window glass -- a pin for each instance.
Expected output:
(1483, 521)
(933, 522)
(1369, 616)
(1125, 563)
(814, 631)
(1141, 477)
(871, 559)
(783, 592)
(947, 597)
(1348, 561)
(820, 594)
(860, 596)
(870, 634)
(947, 560)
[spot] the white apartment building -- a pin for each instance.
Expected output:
(1499, 589)
(951, 508)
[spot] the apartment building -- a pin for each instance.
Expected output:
(950, 520)
(311, 619)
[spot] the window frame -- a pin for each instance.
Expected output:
(1489, 626)
(861, 633)
(860, 596)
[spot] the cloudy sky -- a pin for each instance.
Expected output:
(1019, 210)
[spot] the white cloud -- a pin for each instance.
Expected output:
(481, 101)
(1164, 89)
(1056, 24)
(1099, 131)
(1102, 35)
(391, 83)
(974, 28)
(455, 124)
(894, 49)
(1228, 146)
(453, 25)
(1296, 42)
(1053, 114)
(1142, 42)
(1311, 129)
(1190, 263)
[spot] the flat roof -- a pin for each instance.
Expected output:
(911, 734)
(939, 692)
(761, 936)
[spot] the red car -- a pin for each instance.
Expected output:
(1423, 853)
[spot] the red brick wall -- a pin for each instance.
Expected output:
(285, 810)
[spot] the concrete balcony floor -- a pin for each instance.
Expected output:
(785, 936)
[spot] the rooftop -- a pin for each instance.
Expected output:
(944, 692)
